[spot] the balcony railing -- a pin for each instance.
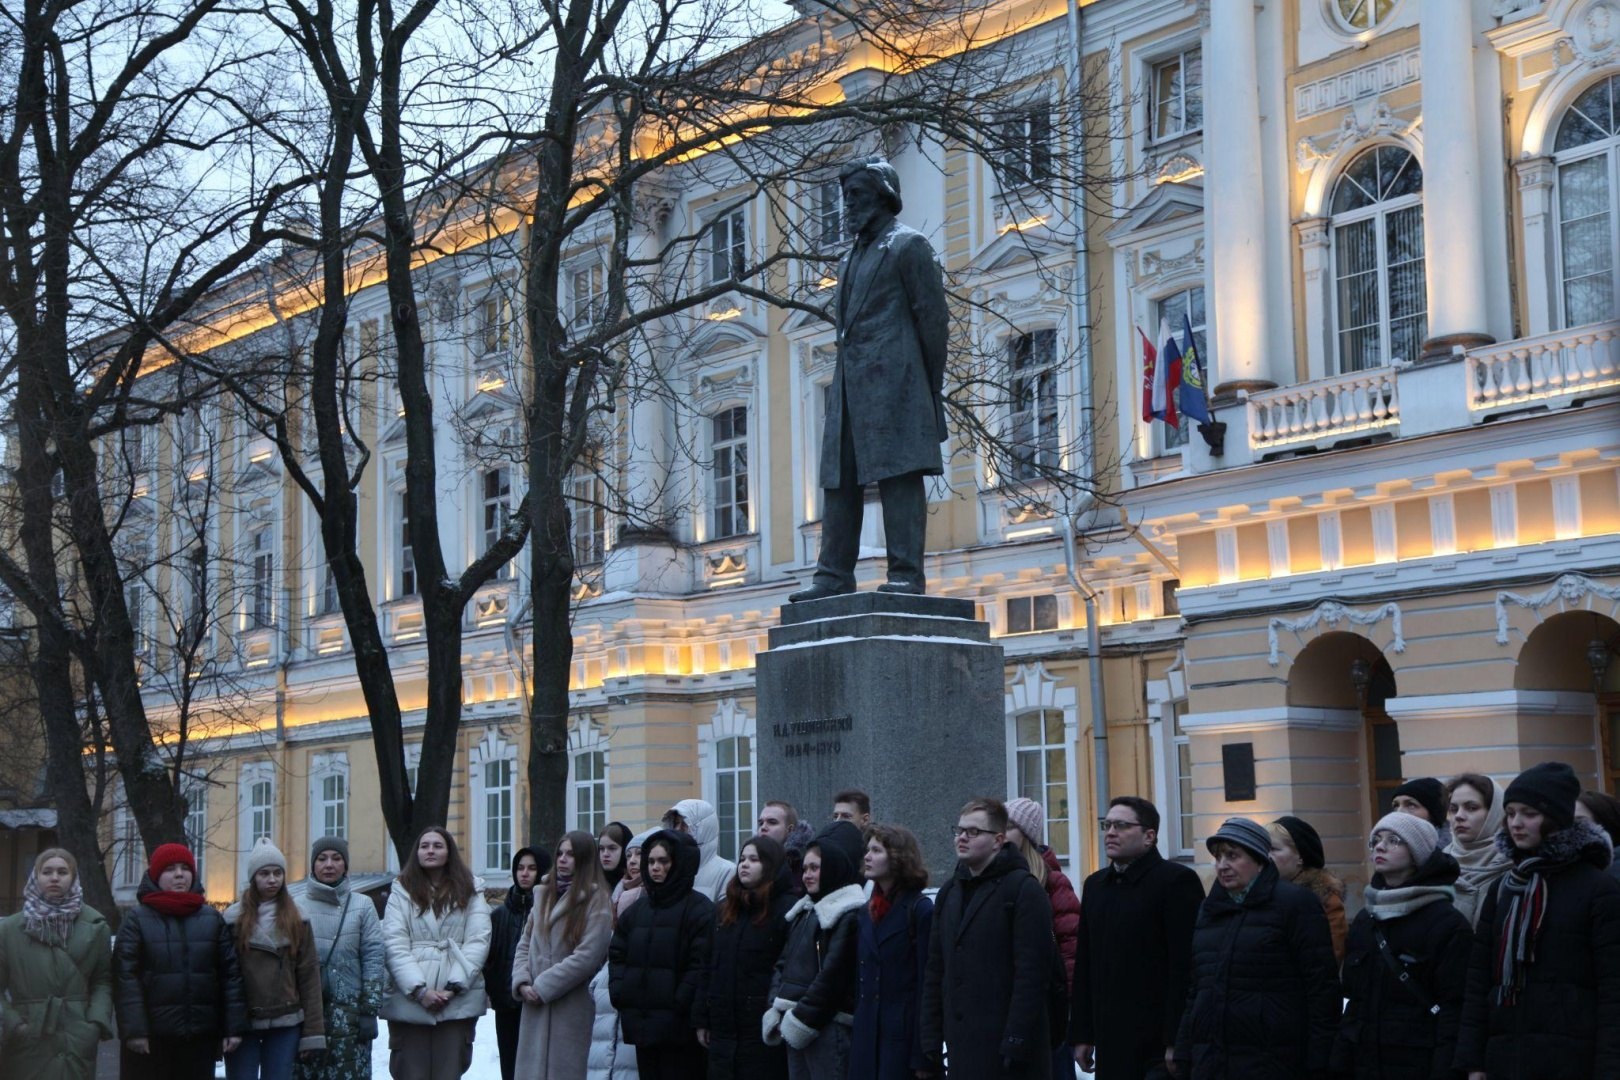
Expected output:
(1325, 411)
(1558, 365)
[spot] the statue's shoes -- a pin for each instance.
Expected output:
(908, 588)
(817, 592)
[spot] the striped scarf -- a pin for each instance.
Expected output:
(1524, 893)
(50, 922)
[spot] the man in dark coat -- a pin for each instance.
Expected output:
(1135, 950)
(886, 413)
(657, 959)
(1265, 999)
(990, 958)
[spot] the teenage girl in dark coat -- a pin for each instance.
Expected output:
(657, 958)
(1543, 999)
(750, 929)
(176, 986)
(1406, 993)
(505, 928)
(892, 952)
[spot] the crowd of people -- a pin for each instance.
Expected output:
(1487, 948)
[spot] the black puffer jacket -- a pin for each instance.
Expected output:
(505, 928)
(1388, 1033)
(1264, 1003)
(815, 979)
(1566, 1023)
(737, 993)
(659, 950)
(176, 977)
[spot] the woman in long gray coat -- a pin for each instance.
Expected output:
(564, 943)
(348, 940)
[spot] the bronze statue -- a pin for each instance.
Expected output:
(886, 413)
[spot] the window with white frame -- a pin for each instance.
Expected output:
(196, 823)
(1026, 144)
(195, 567)
(587, 294)
(127, 862)
(1180, 839)
(404, 556)
(587, 498)
(728, 448)
(734, 792)
(496, 511)
(329, 794)
(1042, 771)
(255, 807)
(587, 776)
(135, 453)
(590, 790)
(1381, 308)
(1587, 154)
(1031, 614)
(1176, 95)
(728, 245)
(329, 590)
(193, 433)
(1178, 310)
(1032, 373)
(494, 800)
(262, 594)
(827, 213)
(494, 324)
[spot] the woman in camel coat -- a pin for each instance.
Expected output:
(564, 943)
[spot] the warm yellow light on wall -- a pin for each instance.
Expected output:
(485, 385)
(827, 283)
(722, 316)
(1024, 226)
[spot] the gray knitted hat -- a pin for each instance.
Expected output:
(1251, 836)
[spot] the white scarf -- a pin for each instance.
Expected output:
(1479, 861)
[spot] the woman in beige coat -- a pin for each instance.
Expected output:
(564, 943)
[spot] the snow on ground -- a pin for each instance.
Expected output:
(486, 1063)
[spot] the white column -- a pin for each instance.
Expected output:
(1535, 198)
(648, 443)
(1453, 216)
(1234, 211)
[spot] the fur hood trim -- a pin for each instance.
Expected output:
(838, 903)
(1320, 882)
(1582, 841)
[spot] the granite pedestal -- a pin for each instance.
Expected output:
(901, 696)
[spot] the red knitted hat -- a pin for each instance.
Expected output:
(166, 856)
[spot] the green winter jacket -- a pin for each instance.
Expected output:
(59, 1001)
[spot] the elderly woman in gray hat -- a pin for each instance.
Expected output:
(349, 943)
(1265, 990)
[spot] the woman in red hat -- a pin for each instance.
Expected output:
(177, 989)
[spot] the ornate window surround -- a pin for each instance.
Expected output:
(728, 721)
(492, 747)
(1031, 689)
(1363, 127)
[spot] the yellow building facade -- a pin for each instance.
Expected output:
(1399, 253)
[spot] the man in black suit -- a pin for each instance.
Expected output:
(886, 412)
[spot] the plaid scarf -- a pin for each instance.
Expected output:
(49, 922)
(1524, 892)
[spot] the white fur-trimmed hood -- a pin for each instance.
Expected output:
(836, 904)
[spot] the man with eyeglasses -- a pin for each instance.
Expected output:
(990, 958)
(1135, 951)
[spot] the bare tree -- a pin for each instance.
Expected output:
(126, 121)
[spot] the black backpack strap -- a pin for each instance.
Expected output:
(1402, 975)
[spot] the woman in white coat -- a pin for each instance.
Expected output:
(564, 943)
(436, 932)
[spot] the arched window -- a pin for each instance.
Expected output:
(1587, 153)
(1381, 309)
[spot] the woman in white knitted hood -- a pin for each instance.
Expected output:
(698, 819)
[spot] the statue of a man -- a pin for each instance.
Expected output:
(886, 413)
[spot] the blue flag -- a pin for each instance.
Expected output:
(1194, 390)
